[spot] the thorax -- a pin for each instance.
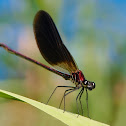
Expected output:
(77, 77)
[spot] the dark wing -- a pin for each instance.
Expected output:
(50, 44)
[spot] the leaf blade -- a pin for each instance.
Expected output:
(67, 118)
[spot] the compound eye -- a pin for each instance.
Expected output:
(85, 82)
(93, 85)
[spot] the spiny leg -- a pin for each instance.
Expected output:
(80, 99)
(87, 102)
(55, 90)
(65, 95)
(77, 99)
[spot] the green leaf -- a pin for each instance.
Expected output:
(68, 118)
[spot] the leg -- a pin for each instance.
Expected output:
(80, 100)
(77, 99)
(87, 103)
(65, 93)
(55, 90)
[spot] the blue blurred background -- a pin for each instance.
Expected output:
(93, 31)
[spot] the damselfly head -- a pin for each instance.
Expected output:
(89, 85)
